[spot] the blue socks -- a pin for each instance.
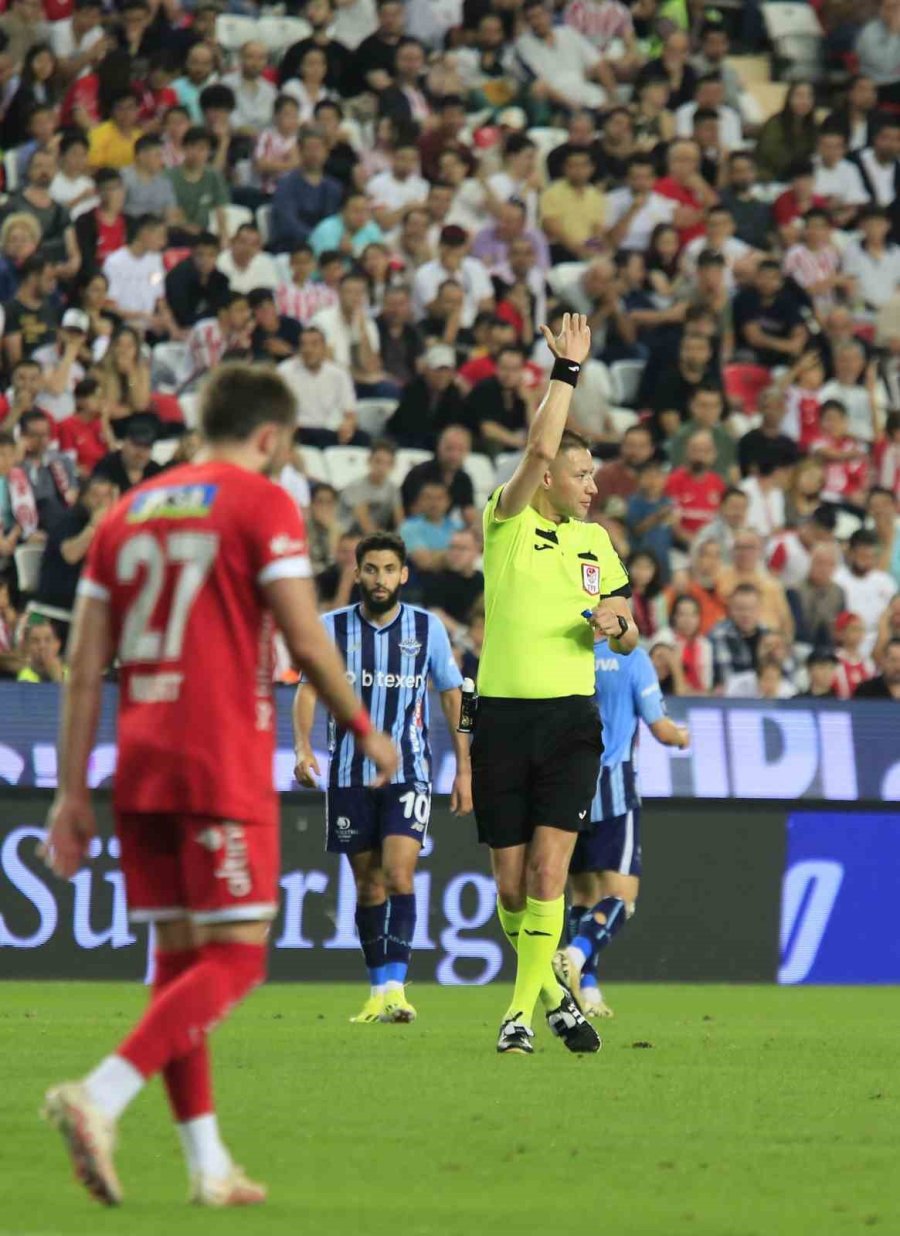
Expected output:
(592, 936)
(399, 931)
(574, 915)
(371, 926)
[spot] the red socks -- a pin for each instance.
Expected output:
(192, 993)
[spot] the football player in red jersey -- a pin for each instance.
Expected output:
(184, 584)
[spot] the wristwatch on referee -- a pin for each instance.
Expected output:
(623, 626)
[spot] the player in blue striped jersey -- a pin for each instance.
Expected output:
(391, 651)
(606, 865)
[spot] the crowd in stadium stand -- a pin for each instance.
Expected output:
(385, 199)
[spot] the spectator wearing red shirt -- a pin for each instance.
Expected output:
(86, 433)
(844, 457)
(694, 488)
(101, 231)
(853, 667)
(686, 187)
(794, 202)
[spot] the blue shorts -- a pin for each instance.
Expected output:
(357, 818)
(610, 845)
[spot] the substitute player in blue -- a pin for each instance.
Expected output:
(606, 864)
(391, 651)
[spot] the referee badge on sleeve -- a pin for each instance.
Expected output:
(590, 578)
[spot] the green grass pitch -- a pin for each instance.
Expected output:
(711, 1111)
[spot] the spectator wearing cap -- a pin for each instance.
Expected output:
(32, 315)
(60, 365)
(454, 263)
(494, 409)
(868, 588)
(886, 685)
(69, 541)
(137, 277)
(326, 400)
(304, 196)
(275, 337)
(132, 462)
(348, 230)
(254, 96)
(58, 241)
(573, 211)
(199, 72)
(565, 70)
(448, 466)
(111, 144)
(816, 600)
(86, 434)
(148, 190)
(855, 665)
(244, 264)
(50, 473)
(196, 288)
(430, 403)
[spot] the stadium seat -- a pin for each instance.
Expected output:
(563, 274)
(189, 410)
(592, 396)
(37, 608)
(170, 366)
(264, 223)
(625, 376)
(623, 418)
(345, 464)
(744, 384)
(164, 450)
(407, 459)
(481, 469)
(739, 424)
(234, 217)
(547, 139)
(28, 566)
(506, 464)
(314, 463)
(280, 33)
(797, 40)
(232, 31)
(373, 414)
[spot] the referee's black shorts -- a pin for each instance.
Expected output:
(534, 762)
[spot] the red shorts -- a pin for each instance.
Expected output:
(190, 866)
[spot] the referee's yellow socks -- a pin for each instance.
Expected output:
(539, 931)
(511, 922)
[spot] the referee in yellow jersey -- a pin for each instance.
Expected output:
(537, 743)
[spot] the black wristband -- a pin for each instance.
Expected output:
(623, 626)
(565, 371)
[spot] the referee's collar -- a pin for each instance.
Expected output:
(379, 630)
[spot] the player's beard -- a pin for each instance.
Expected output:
(379, 604)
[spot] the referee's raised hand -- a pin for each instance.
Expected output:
(574, 339)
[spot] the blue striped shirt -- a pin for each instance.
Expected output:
(627, 691)
(389, 667)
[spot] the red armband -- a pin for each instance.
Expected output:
(360, 724)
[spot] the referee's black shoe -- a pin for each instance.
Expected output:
(515, 1037)
(568, 1023)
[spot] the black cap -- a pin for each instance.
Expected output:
(142, 428)
(822, 656)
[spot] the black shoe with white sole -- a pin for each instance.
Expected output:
(568, 1023)
(515, 1037)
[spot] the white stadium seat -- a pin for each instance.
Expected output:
(314, 463)
(623, 418)
(232, 31)
(234, 217)
(405, 461)
(564, 274)
(170, 365)
(280, 33)
(626, 379)
(264, 223)
(484, 478)
(345, 464)
(373, 414)
(164, 450)
(189, 410)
